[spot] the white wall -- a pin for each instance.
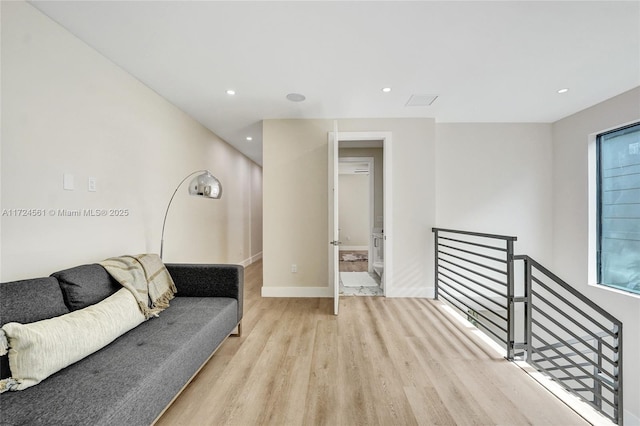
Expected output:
(296, 203)
(497, 178)
(571, 226)
(378, 178)
(354, 211)
(67, 109)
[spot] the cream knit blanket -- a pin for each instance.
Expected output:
(146, 277)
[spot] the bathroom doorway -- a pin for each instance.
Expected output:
(345, 140)
(359, 195)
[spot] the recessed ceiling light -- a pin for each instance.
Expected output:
(386, 89)
(231, 92)
(249, 138)
(296, 97)
(565, 90)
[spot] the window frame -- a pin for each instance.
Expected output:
(599, 208)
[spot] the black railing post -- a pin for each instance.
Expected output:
(435, 282)
(510, 302)
(528, 308)
(617, 398)
(597, 386)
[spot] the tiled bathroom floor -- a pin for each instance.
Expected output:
(361, 290)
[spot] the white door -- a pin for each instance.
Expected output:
(334, 232)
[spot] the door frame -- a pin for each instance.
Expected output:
(334, 138)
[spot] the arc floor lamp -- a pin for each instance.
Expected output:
(204, 185)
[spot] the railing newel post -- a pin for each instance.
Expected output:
(510, 302)
(435, 282)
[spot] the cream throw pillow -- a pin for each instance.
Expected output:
(39, 349)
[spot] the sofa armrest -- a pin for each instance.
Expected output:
(201, 280)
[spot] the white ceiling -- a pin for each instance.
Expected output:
(497, 61)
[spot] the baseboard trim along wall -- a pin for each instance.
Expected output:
(296, 292)
(251, 260)
(420, 292)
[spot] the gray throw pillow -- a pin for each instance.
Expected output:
(85, 285)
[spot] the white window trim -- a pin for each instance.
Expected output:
(593, 212)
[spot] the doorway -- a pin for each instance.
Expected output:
(361, 140)
(360, 210)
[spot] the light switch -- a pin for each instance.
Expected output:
(92, 184)
(67, 182)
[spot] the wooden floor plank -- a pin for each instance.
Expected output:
(381, 362)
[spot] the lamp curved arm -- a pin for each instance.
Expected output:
(164, 222)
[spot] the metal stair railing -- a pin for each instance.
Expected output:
(573, 341)
(564, 335)
(474, 273)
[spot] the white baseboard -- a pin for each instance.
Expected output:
(354, 248)
(251, 260)
(296, 292)
(419, 292)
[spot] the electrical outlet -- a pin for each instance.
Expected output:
(294, 268)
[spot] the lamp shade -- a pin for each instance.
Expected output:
(206, 185)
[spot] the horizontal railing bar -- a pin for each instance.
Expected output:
(602, 370)
(576, 339)
(474, 272)
(564, 365)
(486, 287)
(593, 364)
(570, 343)
(499, 271)
(566, 315)
(468, 307)
(601, 334)
(562, 344)
(575, 293)
(578, 377)
(495, 259)
(551, 305)
(471, 243)
(607, 380)
(568, 373)
(476, 234)
(474, 291)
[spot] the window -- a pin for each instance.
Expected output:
(618, 162)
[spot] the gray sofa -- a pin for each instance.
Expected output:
(131, 380)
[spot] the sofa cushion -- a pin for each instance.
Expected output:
(18, 304)
(85, 285)
(41, 348)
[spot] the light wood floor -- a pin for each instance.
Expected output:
(380, 362)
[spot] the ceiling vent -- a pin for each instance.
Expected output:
(421, 100)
